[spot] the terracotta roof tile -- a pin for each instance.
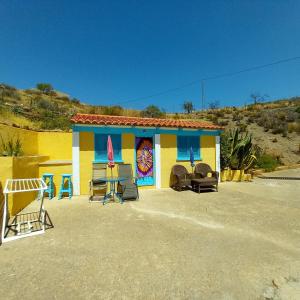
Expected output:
(135, 121)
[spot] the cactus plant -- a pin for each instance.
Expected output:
(238, 153)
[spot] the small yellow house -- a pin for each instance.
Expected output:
(152, 146)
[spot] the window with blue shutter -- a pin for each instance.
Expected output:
(101, 147)
(184, 144)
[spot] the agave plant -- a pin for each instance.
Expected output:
(11, 147)
(240, 153)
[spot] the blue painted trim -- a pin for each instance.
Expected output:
(141, 132)
(105, 161)
(188, 159)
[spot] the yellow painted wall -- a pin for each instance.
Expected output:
(16, 168)
(128, 144)
(169, 156)
(6, 171)
(24, 167)
(208, 150)
(86, 143)
(37, 147)
(168, 144)
(29, 139)
(56, 145)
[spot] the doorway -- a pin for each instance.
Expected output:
(144, 165)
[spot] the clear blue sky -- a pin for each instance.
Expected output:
(108, 52)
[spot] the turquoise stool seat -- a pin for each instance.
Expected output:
(66, 186)
(48, 178)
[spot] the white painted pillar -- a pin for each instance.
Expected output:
(218, 156)
(76, 163)
(157, 161)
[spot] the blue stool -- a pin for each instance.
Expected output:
(48, 178)
(67, 189)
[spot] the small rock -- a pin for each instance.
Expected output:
(279, 281)
(269, 293)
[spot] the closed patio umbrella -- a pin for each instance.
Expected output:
(110, 154)
(192, 159)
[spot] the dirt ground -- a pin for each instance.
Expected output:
(168, 245)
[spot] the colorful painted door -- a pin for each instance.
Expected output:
(144, 160)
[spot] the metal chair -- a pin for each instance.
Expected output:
(128, 189)
(95, 184)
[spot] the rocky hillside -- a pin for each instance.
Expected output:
(46, 109)
(275, 126)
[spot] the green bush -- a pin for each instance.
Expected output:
(152, 111)
(44, 104)
(45, 88)
(267, 162)
(60, 122)
(75, 101)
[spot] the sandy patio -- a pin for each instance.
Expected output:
(168, 245)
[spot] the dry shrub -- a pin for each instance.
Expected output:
(294, 127)
(243, 127)
(237, 117)
(223, 123)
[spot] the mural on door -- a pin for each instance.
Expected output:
(144, 160)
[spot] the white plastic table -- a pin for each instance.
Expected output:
(23, 186)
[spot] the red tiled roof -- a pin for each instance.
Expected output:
(144, 122)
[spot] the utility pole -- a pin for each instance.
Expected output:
(202, 92)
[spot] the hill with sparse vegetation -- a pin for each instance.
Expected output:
(275, 126)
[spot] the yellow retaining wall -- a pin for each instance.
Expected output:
(169, 156)
(56, 145)
(15, 168)
(44, 146)
(235, 175)
(29, 139)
